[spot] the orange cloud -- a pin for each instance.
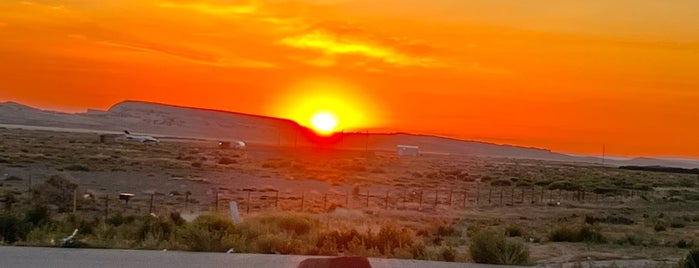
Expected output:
(334, 44)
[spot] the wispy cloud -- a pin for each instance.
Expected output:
(332, 44)
(189, 55)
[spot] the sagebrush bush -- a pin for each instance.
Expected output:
(57, 190)
(11, 228)
(207, 233)
(691, 260)
(494, 248)
(447, 253)
(514, 231)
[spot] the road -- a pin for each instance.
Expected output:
(21, 257)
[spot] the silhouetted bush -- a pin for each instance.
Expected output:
(585, 233)
(564, 185)
(691, 260)
(77, 167)
(11, 229)
(514, 231)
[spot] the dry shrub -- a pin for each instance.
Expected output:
(57, 190)
(584, 233)
(208, 233)
(493, 248)
(691, 260)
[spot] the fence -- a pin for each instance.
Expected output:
(380, 197)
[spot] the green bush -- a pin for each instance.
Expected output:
(564, 185)
(514, 230)
(493, 248)
(448, 253)
(391, 237)
(691, 260)
(12, 229)
(77, 167)
(207, 233)
(341, 239)
(155, 229)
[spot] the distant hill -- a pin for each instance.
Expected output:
(185, 122)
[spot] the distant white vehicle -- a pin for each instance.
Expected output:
(140, 138)
(239, 145)
(235, 145)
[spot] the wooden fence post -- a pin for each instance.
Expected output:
(106, 207)
(436, 198)
(478, 195)
(451, 191)
(421, 193)
(501, 196)
(387, 200)
(150, 206)
(247, 209)
(367, 198)
(216, 203)
(465, 197)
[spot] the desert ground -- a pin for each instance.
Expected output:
(567, 214)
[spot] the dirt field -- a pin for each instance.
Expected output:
(641, 215)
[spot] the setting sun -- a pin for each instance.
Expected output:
(327, 104)
(324, 122)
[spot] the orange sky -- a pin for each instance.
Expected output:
(565, 75)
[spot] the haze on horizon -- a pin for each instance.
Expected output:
(566, 75)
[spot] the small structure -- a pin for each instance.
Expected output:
(408, 150)
(126, 197)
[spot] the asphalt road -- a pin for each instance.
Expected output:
(21, 257)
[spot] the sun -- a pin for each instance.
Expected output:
(324, 122)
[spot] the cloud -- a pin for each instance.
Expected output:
(190, 55)
(347, 43)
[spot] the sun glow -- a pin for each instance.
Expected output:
(327, 105)
(324, 122)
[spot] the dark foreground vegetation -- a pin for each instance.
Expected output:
(269, 234)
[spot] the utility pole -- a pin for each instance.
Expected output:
(603, 153)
